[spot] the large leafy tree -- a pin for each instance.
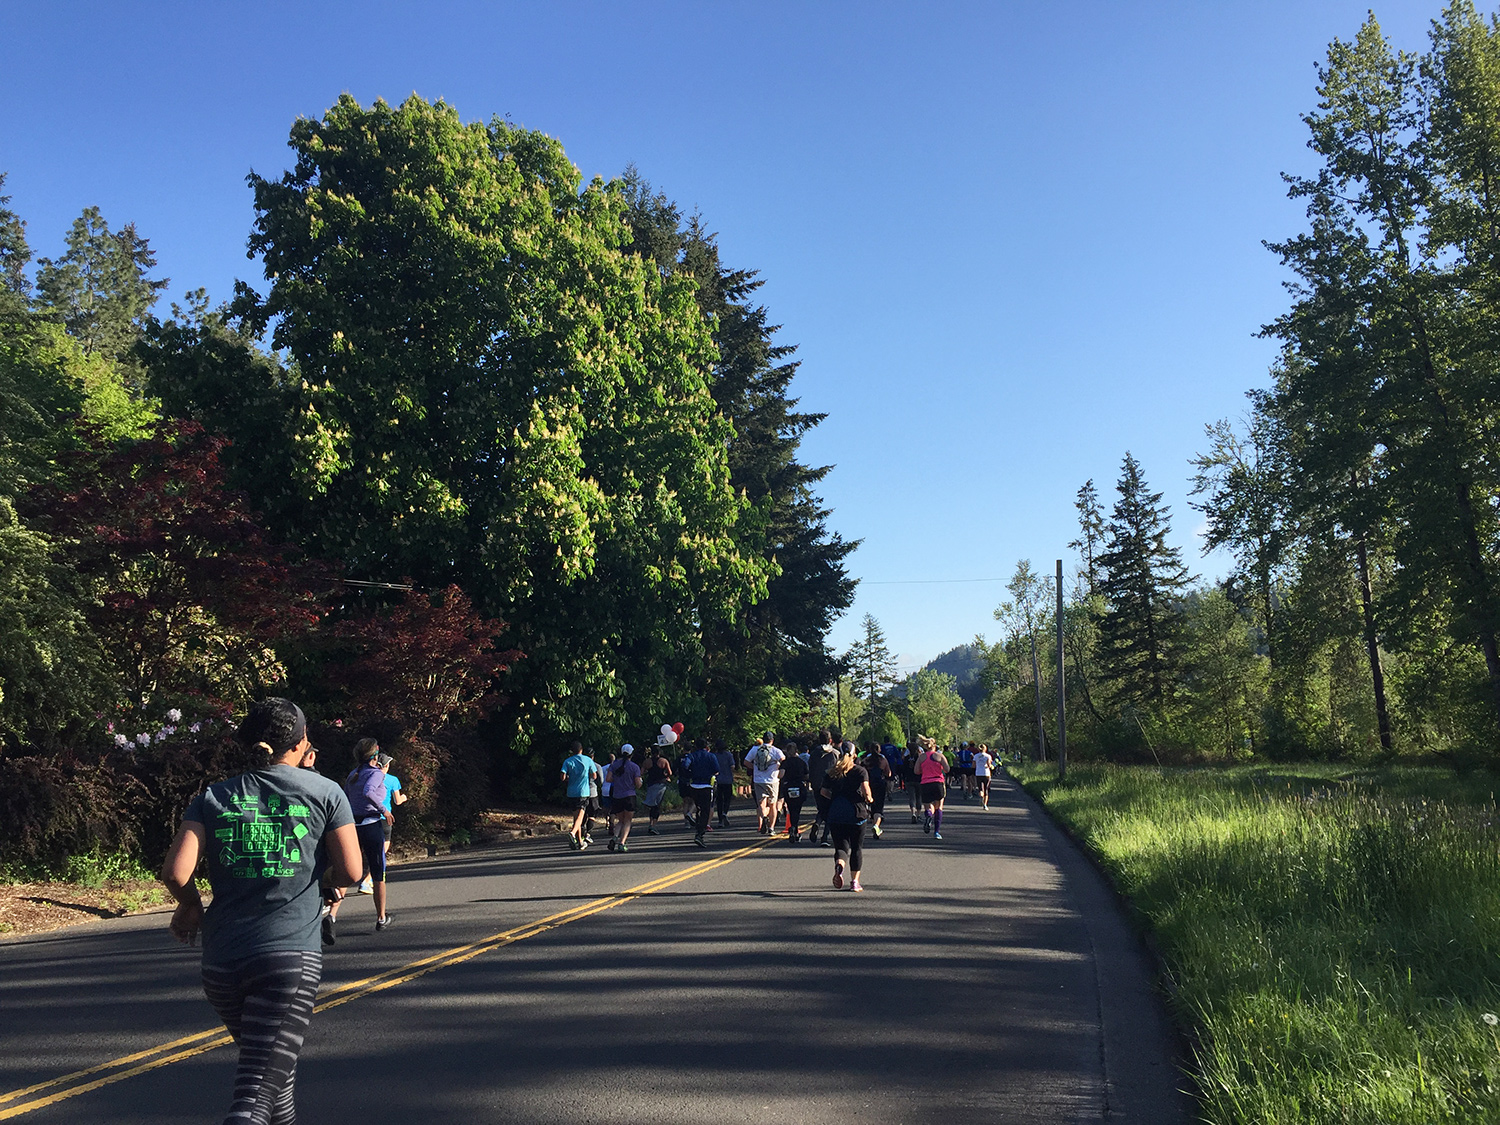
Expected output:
(1395, 356)
(491, 390)
(1142, 578)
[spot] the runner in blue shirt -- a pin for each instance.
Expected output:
(577, 772)
(701, 768)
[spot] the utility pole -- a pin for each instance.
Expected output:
(1036, 686)
(1062, 729)
(838, 700)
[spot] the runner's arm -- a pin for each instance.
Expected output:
(177, 874)
(344, 859)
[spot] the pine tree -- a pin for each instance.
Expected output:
(1141, 577)
(871, 664)
(782, 638)
(14, 255)
(100, 287)
(1090, 531)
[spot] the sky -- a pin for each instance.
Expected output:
(1011, 241)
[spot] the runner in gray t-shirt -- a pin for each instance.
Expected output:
(266, 836)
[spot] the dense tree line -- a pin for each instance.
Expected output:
(1360, 498)
(493, 459)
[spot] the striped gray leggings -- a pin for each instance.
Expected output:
(266, 1002)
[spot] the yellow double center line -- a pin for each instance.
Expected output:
(60, 1089)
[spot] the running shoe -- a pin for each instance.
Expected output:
(328, 938)
(622, 847)
(613, 843)
(877, 832)
(926, 825)
(700, 841)
(575, 842)
(854, 886)
(367, 885)
(382, 923)
(937, 835)
(652, 832)
(838, 875)
(588, 839)
(914, 818)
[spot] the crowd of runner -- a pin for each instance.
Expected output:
(848, 785)
(283, 845)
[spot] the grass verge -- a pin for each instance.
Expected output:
(1333, 935)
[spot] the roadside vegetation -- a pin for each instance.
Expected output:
(1329, 933)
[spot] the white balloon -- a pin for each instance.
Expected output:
(666, 728)
(670, 736)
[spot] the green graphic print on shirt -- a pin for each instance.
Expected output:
(258, 843)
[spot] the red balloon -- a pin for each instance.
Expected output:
(678, 727)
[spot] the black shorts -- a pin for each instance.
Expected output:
(621, 804)
(583, 802)
(933, 792)
(372, 847)
(967, 771)
(877, 801)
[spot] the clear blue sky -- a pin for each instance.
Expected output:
(1011, 240)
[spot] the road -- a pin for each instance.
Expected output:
(988, 978)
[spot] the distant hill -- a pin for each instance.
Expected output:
(964, 664)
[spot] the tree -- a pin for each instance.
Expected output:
(783, 637)
(1090, 530)
(1025, 614)
(100, 288)
(15, 253)
(426, 663)
(1243, 480)
(183, 589)
(1395, 363)
(1223, 676)
(499, 395)
(936, 709)
(1142, 578)
(871, 665)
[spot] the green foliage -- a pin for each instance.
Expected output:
(50, 671)
(498, 394)
(934, 707)
(778, 709)
(1141, 579)
(1329, 933)
(781, 638)
(100, 289)
(872, 666)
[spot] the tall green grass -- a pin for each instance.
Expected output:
(1334, 937)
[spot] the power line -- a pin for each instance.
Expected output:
(924, 581)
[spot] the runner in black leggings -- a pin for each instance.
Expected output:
(271, 830)
(794, 790)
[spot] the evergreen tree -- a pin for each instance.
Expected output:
(100, 288)
(15, 289)
(1142, 579)
(782, 638)
(871, 665)
(1090, 531)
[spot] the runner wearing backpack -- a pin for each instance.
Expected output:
(764, 763)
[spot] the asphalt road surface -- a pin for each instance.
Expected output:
(988, 977)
